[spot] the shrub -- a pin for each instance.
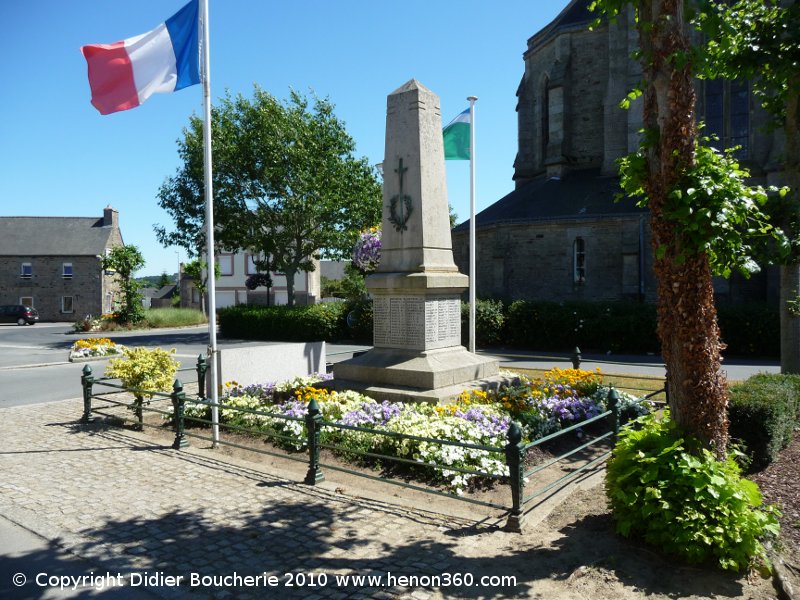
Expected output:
(663, 487)
(750, 330)
(763, 411)
(614, 327)
(490, 321)
(283, 323)
(144, 370)
(358, 321)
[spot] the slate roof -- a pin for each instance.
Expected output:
(575, 15)
(53, 236)
(582, 195)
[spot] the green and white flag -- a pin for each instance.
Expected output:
(456, 138)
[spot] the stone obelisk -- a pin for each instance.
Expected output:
(417, 288)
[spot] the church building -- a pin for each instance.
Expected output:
(560, 235)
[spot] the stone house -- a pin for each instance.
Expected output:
(560, 235)
(53, 264)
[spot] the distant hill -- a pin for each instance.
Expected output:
(155, 280)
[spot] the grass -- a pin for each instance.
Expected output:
(173, 317)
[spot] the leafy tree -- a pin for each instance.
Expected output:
(287, 185)
(164, 280)
(760, 40)
(702, 216)
(197, 269)
(125, 261)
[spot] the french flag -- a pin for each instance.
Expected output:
(125, 74)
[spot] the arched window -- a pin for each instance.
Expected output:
(545, 133)
(579, 260)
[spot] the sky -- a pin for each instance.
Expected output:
(60, 157)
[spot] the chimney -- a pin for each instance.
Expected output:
(110, 217)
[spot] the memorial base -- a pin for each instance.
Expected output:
(435, 376)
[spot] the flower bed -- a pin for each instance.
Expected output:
(563, 397)
(94, 348)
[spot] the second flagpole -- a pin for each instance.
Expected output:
(472, 300)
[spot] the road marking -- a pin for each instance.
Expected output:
(19, 347)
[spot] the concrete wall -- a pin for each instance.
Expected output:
(277, 361)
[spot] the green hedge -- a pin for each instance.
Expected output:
(324, 321)
(598, 327)
(619, 327)
(763, 412)
(490, 323)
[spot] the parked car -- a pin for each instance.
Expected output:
(19, 314)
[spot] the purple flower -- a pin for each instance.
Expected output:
(367, 251)
(488, 424)
(371, 413)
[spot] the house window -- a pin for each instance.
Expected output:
(67, 304)
(579, 260)
(26, 270)
(727, 115)
(26, 300)
(66, 270)
(225, 262)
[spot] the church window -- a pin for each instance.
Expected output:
(579, 260)
(545, 116)
(727, 115)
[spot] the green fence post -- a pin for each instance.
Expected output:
(613, 406)
(576, 358)
(202, 367)
(179, 404)
(313, 425)
(515, 462)
(86, 382)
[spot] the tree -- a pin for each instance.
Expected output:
(125, 261)
(164, 280)
(760, 40)
(287, 185)
(702, 217)
(197, 270)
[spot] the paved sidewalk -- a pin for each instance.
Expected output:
(116, 499)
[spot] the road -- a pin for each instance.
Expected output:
(34, 363)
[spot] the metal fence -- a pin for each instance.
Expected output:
(101, 393)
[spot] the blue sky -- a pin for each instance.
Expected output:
(60, 157)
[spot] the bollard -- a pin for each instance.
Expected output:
(313, 426)
(202, 367)
(613, 406)
(138, 412)
(86, 382)
(514, 460)
(576, 358)
(179, 404)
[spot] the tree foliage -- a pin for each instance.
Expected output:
(760, 40)
(286, 183)
(197, 270)
(124, 261)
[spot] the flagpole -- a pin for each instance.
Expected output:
(209, 197)
(472, 100)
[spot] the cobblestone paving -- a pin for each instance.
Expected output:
(131, 506)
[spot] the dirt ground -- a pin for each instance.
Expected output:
(569, 544)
